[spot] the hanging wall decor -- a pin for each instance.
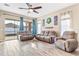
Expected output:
(55, 20)
(43, 23)
(49, 22)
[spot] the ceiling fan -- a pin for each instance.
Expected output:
(31, 8)
(6, 4)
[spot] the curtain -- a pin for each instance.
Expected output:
(21, 25)
(34, 26)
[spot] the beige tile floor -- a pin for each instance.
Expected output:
(10, 37)
(31, 48)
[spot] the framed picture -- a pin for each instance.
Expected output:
(55, 20)
(43, 23)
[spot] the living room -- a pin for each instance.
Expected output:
(39, 29)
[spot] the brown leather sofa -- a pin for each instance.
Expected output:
(68, 41)
(47, 36)
(24, 36)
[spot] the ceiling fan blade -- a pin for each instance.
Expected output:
(23, 8)
(35, 11)
(37, 7)
(29, 5)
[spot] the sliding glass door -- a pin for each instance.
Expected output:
(12, 28)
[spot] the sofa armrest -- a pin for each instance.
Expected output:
(71, 44)
(71, 41)
(39, 34)
(29, 34)
(60, 38)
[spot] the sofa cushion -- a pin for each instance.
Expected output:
(46, 36)
(52, 33)
(42, 33)
(69, 35)
(46, 33)
(60, 44)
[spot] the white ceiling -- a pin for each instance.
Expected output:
(46, 8)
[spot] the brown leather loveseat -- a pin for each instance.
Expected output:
(24, 36)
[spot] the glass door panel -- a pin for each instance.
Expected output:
(10, 30)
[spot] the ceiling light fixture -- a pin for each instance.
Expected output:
(29, 11)
(6, 4)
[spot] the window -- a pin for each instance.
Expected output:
(65, 23)
(25, 26)
(39, 26)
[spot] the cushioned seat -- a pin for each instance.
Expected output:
(46, 36)
(60, 44)
(25, 36)
(68, 41)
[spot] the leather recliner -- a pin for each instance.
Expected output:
(68, 41)
(24, 36)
